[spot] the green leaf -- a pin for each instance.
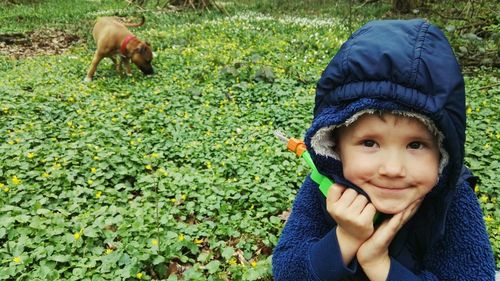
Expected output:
(60, 258)
(227, 252)
(213, 266)
(158, 260)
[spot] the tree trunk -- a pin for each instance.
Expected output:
(403, 6)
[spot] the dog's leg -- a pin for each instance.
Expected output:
(93, 66)
(126, 62)
(118, 64)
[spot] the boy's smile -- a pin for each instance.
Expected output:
(394, 159)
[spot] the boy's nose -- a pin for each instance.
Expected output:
(392, 166)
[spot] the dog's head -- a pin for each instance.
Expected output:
(142, 57)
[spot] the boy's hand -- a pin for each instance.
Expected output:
(354, 216)
(352, 212)
(373, 254)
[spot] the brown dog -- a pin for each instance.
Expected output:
(113, 38)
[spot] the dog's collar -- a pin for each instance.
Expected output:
(123, 48)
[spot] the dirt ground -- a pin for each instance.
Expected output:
(38, 42)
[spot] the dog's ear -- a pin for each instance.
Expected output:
(141, 49)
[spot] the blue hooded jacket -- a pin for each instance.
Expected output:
(397, 66)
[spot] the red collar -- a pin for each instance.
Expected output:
(123, 48)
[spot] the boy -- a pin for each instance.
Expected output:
(389, 129)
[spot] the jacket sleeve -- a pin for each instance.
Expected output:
(464, 252)
(308, 247)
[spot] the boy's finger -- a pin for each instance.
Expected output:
(347, 198)
(411, 210)
(389, 228)
(335, 192)
(358, 205)
(369, 211)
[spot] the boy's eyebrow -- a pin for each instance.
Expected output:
(372, 133)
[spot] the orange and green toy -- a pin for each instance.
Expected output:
(299, 148)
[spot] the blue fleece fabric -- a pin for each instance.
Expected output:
(405, 65)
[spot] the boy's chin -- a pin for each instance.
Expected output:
(390, 208)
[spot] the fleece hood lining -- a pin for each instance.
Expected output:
(323, 142)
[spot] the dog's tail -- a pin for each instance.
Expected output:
(143, 19)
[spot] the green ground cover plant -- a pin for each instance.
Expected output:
(175, 176)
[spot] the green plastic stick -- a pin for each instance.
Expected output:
(324, 182)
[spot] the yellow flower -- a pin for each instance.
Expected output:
(155, 155)
(96, 158)
(198, 241)
(31, 155)
(139, 275)
(15, 180)
(486, 146)
(181, 237)
(209, 164)
(253, 263)
(77, 235)
(93, 170)
(109, 251)
(484, 199)
(488, 219)
(173, 200)
(17, 259)
(257, 179)
(184, 197)
(45, 175)
(154, 242)
(148, 167)
(90, 182)
(469, 110)
(232, 261)
(476, 189)
(163, 172)
(98, 194)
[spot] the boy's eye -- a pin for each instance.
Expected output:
(415, 145)
(369, 143)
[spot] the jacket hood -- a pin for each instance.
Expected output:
(395, 65)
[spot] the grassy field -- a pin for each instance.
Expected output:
(178, 175)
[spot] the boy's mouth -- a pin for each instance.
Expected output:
(390, 188)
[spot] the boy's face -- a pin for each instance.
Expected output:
(394, 159)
